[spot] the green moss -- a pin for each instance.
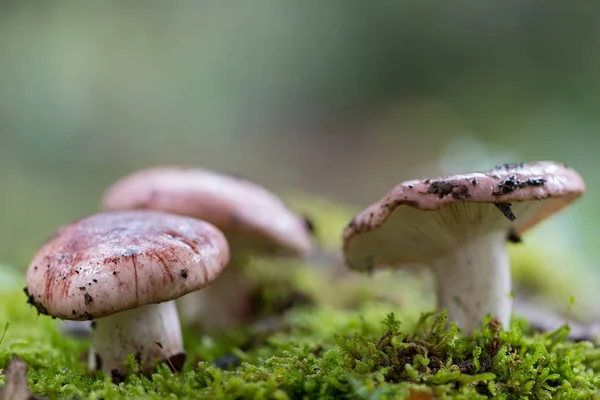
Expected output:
(322, 334)
(324, 353)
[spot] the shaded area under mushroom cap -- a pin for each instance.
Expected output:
(420, 220)
(111, 262)
(250, 216)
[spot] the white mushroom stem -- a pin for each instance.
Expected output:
(136, 331)
(475, 280)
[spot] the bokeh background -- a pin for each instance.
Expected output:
(343, 99)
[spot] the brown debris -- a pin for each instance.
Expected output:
(16, 386)
(506, 210)
(420, 395)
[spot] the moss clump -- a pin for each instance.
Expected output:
(324, 353)
(493, 363)
(321, 336)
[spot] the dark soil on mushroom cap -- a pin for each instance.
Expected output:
(457, 190)
(506, 211)
(512, 183)
(38, 306)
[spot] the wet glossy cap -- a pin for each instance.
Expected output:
(112, 262)
(420, 220)
(251, 217)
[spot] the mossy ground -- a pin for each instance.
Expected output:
(322, 335)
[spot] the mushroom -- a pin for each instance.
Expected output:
(123, 270)
(458, 225)
(254, 220)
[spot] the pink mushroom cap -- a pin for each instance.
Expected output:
(251, 217)
(419, 220)
(116, 261)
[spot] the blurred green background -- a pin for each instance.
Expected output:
(340, 98)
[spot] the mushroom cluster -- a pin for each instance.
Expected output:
(171, 236)
(254, 221)
(161, 235)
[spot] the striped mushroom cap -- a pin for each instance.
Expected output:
(117, 261)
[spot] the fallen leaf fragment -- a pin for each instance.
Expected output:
(420, 395)
(16, 386)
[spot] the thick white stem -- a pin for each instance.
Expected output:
(475, 281)
(137, 331)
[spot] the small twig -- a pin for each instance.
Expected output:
(162, 350)
(6, 326)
